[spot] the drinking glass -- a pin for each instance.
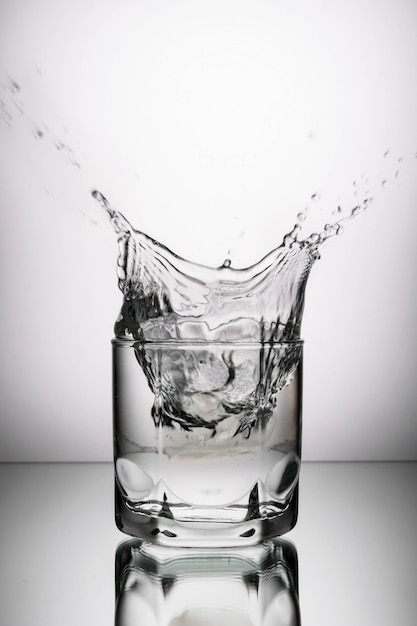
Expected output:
(207, 440)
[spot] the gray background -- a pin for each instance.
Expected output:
(209, 125)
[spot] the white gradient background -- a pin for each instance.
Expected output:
(209, 124)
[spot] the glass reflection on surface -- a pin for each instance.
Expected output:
(254, 586)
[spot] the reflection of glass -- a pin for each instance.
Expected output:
(252, 586)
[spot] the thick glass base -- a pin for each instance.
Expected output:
(239, 526)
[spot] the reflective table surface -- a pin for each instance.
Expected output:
(351, 559)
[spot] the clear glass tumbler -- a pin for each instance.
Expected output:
(207, 439)
(207, 392)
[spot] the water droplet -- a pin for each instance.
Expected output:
(339, 209)
(38, 133)
(301, 216)
(339, 229)
(384, 184)
(386, 153)
(397, 173)
(355, 211)
(315, 197)
(227, 263)
(97, 195)
(14, 87)
(18, 105)
(5, 119)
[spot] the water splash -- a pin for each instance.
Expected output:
(167, 297)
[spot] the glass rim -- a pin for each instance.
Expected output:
(198, 343)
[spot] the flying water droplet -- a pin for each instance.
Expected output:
(38, 133)
(97, 195)
(5, 117)
(14, 88)
(226, 263)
